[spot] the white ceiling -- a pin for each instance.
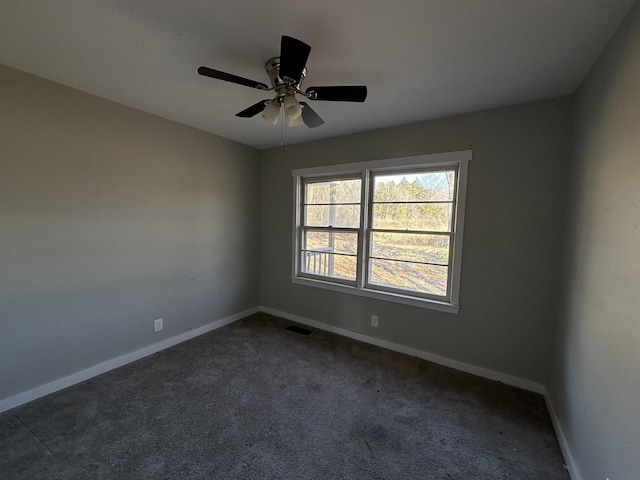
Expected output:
(420, 59)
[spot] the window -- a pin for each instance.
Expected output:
(389, 229)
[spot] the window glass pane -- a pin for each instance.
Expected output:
(331, 242)
(428, 279)
(411, 247)
(345, 267)
(315, 240)
(329, 265)
(330, 254)
(435, 217)
(414, 187)
(332, 216)
(338, 191)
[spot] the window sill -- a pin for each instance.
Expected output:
(378, 295)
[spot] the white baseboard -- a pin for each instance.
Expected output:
(42, 390)
(447, 362)
(569, 459)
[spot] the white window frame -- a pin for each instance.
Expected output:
(459, 160)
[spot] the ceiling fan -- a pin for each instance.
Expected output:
(286, 74)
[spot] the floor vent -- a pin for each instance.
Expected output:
(301, 331)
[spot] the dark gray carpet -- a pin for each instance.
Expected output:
(254, 401)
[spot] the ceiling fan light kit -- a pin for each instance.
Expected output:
(286, 74)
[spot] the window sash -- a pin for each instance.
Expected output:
(326, 272)
(370, 230)
(325, 257)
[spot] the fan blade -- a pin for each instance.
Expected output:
(354, 93)
(253, 109)
(228, 77)
(311, 119)
(293, 58)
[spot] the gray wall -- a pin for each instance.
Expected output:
(111, 218)
(513, 230)
(595, 384)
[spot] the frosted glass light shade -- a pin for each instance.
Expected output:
(292, 108)
(271, 112)
(295, 122)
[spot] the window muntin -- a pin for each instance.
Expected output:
(408, 244)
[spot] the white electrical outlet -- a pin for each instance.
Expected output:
(157, 325)
(374, 320)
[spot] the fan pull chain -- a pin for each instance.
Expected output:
(283, 129)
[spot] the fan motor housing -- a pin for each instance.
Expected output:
(282, 86)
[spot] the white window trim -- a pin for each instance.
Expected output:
(459, 158)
